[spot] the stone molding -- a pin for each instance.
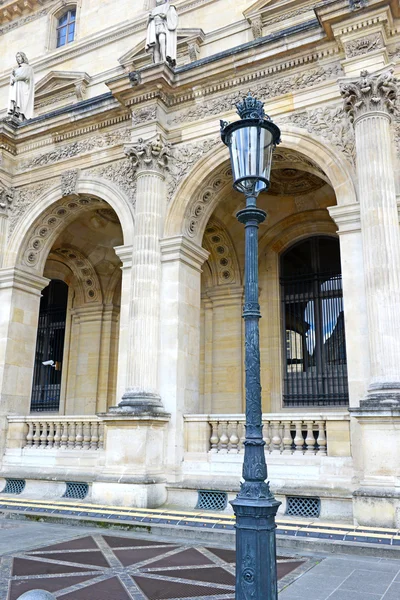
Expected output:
(223, 261)
(84, 272)
(347, 218)
(25, 281)
(180, 248)
(125, 254)
(150, 155)
(370, 93)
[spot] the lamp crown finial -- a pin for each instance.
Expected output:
(250, 108)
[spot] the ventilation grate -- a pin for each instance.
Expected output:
(14, 486)
(76, 490)
(209, 500)
(303, 507)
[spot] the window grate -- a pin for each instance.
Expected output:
(76, 490)
(14, 486)
(209, 500)
(303, 507)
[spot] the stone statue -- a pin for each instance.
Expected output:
(162, 33)
(22, 89)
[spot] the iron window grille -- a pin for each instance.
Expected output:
(303, 507)
(14, 486)
(211, 500)
(79, 491)
(315, 364)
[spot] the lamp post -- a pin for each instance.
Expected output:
(251, 142)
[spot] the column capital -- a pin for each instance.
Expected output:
(125, 254)
(182, 248)
(347, 218)
(370, 93)
(152, 155)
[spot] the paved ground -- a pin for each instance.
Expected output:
(77, 563)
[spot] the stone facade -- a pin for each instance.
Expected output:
(121, 188)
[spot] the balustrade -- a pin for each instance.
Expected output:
(66, 433)
(283, 434)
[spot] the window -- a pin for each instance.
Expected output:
(314, 335)
(50, 348)
(66, 28)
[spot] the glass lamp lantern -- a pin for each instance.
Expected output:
(251, 142)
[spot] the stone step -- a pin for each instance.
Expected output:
(292, 534)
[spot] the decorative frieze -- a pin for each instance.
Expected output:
(364, 45)
(149, 155)
(89, 144)
(264, 90)
(370, 93)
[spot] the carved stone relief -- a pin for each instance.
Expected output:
(268, 89)
(88, 144)
(120, 173)
(293, 182)
(69, 180)
(6, 199)
(223, 261)
(331, 124)
(23, 199)
(257, 27)
(55, 219)
(144, 115)
(364, 45)
(153, 155)
(83, 271)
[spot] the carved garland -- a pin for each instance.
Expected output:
(223, 261)
(53, 220)
(83, 271)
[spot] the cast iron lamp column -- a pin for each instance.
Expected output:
(251, 142)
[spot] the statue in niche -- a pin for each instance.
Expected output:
(22, 89)
(162, 33)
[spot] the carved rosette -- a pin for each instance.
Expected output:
(370, 93)
(150, 155)
(6, 199)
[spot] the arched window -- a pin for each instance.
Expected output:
(66, 28)
(50, 348)
(315, 367)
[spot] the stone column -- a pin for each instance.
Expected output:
(150, 161)
(369, 101)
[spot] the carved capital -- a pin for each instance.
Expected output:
(6, 199)
(150, 155)
(370, 93)
(69, 179)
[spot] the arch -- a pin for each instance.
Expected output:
(112, 285)
(85, 273)
(199, 193)
(223, 263)
(34, 235)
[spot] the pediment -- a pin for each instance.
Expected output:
(189, 42)
(264, 11)
(61, 88)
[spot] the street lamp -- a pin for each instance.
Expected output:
(251, 142)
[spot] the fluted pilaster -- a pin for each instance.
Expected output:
(370, 102)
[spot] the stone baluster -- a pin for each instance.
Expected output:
(50, 435)
(101, 436)
(234, 438)
(276, 437)
(36, 435)
(267, 436)
(29, 435)
(57, 435)
(214, 439)
(298, 438)
(71, 434)
(86, 436)
(321, 439)
(224, 438)
(287, 438)
(242, 436)
(150, 161)
(310, 439)
(64, 435)
(370, 102)
(79, 435)
(43, 435)
(94, 438)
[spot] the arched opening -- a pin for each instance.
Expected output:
(49, 353)
(314, 357)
